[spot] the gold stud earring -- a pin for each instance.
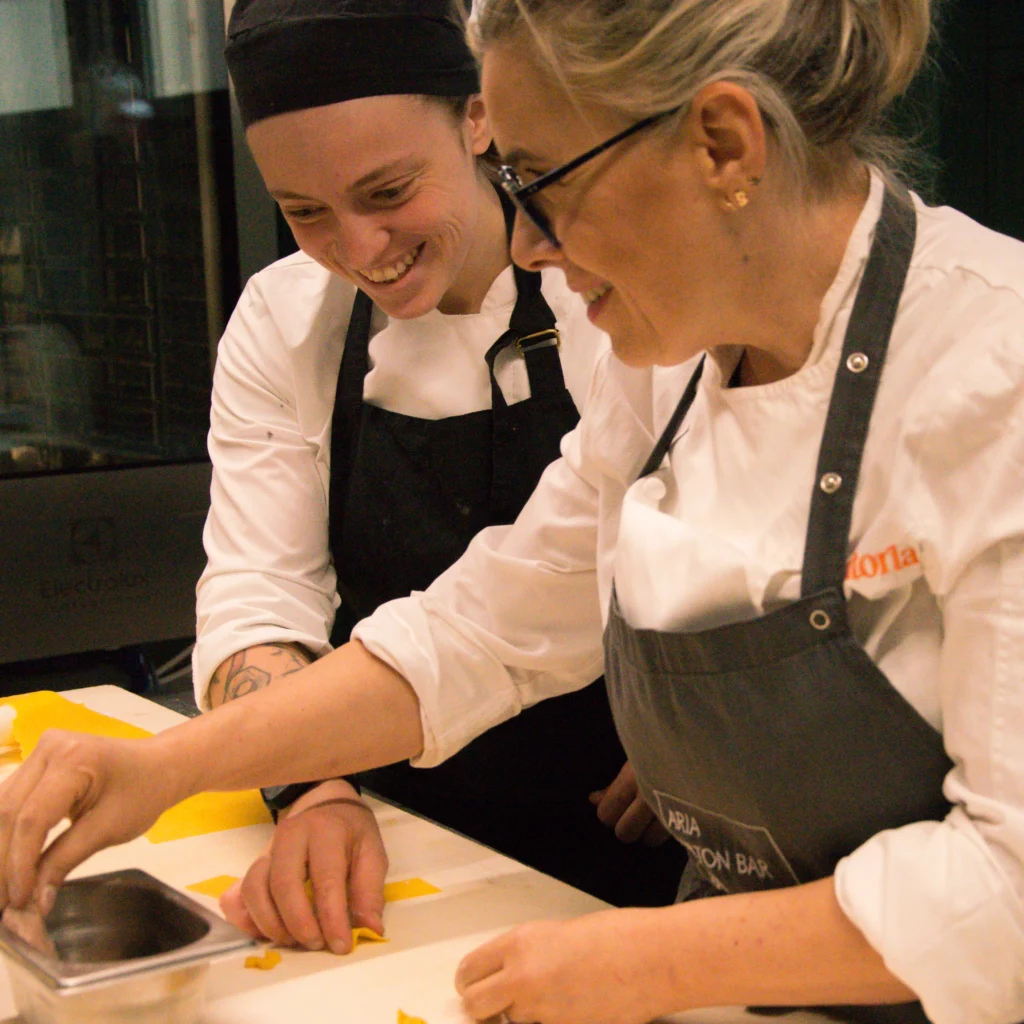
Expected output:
(739, 199)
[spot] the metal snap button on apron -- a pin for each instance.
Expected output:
(820, 619)
(857, 363)
(831, 482)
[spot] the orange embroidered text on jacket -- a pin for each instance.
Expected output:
(892, 559)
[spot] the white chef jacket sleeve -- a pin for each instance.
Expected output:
(943, 902)
(269, 577)
(515, 620)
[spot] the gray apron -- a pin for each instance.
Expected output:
(772, 748)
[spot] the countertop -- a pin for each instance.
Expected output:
(481, 894)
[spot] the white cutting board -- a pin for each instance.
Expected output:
(371, 991)
(416, 981)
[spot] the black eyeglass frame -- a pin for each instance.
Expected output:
(521, 194)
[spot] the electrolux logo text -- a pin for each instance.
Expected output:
(93, 550)
(92, 586)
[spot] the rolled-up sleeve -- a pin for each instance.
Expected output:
(269, 576)
(516, 620)
(943, 902)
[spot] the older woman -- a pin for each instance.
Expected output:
(792, 503)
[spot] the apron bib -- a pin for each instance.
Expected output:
(772, 748)
(406, 497)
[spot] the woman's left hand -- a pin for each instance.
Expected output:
(604, 968)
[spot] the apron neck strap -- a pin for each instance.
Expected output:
(854, 392)
(355, 362)
(668, 435)
(532, 326)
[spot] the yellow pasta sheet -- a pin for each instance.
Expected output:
(199, 815)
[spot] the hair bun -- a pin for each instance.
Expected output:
(905, 27)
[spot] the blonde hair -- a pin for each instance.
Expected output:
(823, 72)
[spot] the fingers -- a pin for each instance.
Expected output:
(336, 846)
(47, 793)
(618, 797)
(14, 793)
(329, 844)
(633, 822)
(655, 834)
(366, 874)
(233, 906)
(29, 926)
(621, 807)
(102, 824)
(482, 982)
(289, 869)
(259, 903)
(482, 963)
(486, 999)
(112, 790)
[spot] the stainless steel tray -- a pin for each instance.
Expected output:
(121, 947)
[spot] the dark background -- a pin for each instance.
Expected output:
(966, 111)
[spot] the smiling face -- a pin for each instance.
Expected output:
(642, 234)
(385, 192)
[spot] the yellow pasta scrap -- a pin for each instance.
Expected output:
(267, 962)
(407, 889)
(215, 887)
(404, 1018)
(365, 935)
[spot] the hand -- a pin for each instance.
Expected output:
(29, 926)
(330, 837)
(621, 807)
(605, 968)
(111, 789)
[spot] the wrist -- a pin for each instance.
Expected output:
(173, 760)
(280, 799)
(650, 934)
(297, 798)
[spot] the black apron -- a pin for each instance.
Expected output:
(406, 497)
(772, 748)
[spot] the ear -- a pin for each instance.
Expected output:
(477, 128)
(730, 138)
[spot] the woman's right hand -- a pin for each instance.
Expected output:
(330, 838)
(112, 790)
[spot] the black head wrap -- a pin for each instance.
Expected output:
(288, 55)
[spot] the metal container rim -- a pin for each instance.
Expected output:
(222, 939)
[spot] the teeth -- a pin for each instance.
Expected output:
(394, 272)
(590, 297)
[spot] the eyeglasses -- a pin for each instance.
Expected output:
(522, 194)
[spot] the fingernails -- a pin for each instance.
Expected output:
(338, 946)
(315, 945)
(46, 899)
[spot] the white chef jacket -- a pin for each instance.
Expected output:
(935, 579)
(269, 576)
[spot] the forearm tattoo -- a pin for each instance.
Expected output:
(239, 676)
